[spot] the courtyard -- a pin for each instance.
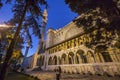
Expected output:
(49, 75)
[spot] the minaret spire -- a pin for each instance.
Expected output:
(42, 40)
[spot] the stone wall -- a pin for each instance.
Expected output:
(96, 68)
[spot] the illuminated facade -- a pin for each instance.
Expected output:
(77, 51)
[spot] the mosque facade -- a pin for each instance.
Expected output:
(77, 51)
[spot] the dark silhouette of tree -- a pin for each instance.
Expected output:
(82, 6)
(100, 11)
(95, 15)
(1, 4)
(22, 9)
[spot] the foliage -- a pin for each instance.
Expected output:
(16, 54)
(6, 37)
(15, 60)
(95, 15)
(31, 23)
(92, 19)
(82, 6)
(117, 44)
(99, 37)
(22, 9)
(96, 11)
(1, 4)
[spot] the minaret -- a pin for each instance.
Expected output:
(44, 22)
(41, 43)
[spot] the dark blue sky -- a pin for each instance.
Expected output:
(59, 15)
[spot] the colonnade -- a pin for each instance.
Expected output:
(74, 52)
(80, 57)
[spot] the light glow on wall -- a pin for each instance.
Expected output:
(4, 26)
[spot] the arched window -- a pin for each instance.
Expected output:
(63, 59)
(42, 60)
(84, 59)
(71, 58)
(37, 62)
(90, 57)
(106, 57)
(101, 50)
(80, 56)
(55, 60)
(59, 59)
(77, 59)
(50, 61)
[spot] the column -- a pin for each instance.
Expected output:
(72, 42)
(76, 42)
(74, 57)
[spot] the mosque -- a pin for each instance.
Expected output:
(77, 51)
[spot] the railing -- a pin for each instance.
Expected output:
(109, 68)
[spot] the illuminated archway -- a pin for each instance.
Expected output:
(42, 60)
(59, 59)
(50, 61)
(101, 50)
(38, 61)
(64, 59)
(90, 57)
(80, 57)
(55, 60)
(106, 56)
(71, 58)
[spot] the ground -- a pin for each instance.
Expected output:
(18, 76)
(48, 75)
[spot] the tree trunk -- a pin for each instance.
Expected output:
(5, 65)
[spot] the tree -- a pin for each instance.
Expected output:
(14, 62)
(100, 9)
(5, 38)
(95, 15)
(20, 9)
(1, 3)
(16, 55)
(82, 6)
(108, 8)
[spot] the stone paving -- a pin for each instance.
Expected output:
(43, 75)
(48, 75)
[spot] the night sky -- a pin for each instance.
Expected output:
(59, 15)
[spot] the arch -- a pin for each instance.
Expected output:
(64, 59)
(101, 50)
(90, 57)
(50, 61)
(40, 61)
(43, 57)
(106, 56)
(40, 64)
(71, 58)
(59, 60)
(77, 59)
(55, 60)
(37, 61)
(81, 57)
